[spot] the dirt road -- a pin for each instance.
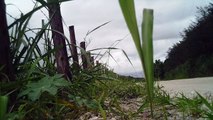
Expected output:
(189, 86)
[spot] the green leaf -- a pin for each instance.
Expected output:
(51, 90)
(47, 84)
(96, 28)
(34, 95)
(61, 83)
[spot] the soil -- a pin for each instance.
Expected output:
(189, 86)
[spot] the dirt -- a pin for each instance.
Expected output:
(189, 86)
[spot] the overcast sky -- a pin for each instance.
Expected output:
(170, 19)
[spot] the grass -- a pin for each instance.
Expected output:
(122, 89)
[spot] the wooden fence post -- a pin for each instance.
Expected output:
(92, 61)
(5, 59)
(83, 55)
(97, 63)
(74, 51)
(58, 39)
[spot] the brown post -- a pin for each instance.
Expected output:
(89, 59)
(5, 60)
(97, 63)
(83, 55)
(92, 60)
(58, 39)
(74, 51)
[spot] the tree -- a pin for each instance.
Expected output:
(158, 69)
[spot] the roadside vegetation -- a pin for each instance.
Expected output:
(37, 89)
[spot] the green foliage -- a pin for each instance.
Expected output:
(162, 97)
(123, 89)
(208, 111)
(84, 102)
(199, 67)
(178, 73)
(189, 106)
(40, 99)
(197, 106)
(158, 70)
(47, 84)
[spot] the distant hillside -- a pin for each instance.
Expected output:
(193, 56)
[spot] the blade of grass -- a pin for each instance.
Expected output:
(112, 48)
(89, 32)
(147, 30)
(26, 16)
(145, 50)
(103, 112)
(205, 101)
(128, 9)
(3, 108)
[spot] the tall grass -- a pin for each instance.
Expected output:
(145, 49)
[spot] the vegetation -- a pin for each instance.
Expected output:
(195, 50)
(39, 90)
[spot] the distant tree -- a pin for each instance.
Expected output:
(5, 60)
(158, 70)
(197, 42)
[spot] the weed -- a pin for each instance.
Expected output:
(208, 109)
(145, 50)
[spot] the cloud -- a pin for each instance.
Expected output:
(171, 29)
(161, 47)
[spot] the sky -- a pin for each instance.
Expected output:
(170, 19)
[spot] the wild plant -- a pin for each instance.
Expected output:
(144, 49)
(38, 96)
(189, 106)
(208, 107)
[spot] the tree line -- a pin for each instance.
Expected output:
(193, 55)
